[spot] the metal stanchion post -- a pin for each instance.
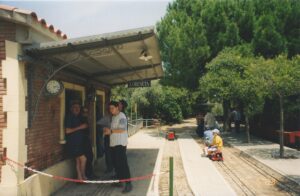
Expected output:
(171, 176)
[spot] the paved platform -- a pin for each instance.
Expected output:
(144, 154)
(203, 177)
(267, 153)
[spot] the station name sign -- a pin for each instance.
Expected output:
(139, 83)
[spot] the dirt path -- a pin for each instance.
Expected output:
(181, 187)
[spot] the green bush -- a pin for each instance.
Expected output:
(171, 111)
(168, 103)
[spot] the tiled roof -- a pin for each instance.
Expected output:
(35, 18)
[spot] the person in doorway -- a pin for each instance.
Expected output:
(75, 128)
(88, 146)
(105, 122)
(236, 115)
(99, 132)
(118, 142)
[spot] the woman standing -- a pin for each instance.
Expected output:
(75, 127)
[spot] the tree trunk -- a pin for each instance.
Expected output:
(281, 151)
(226, 115)
(247, 128)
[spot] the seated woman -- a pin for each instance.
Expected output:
(216, 145)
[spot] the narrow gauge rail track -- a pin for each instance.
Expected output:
(247, 176)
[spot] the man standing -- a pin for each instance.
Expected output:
(209, 121)
(237, 119)
(200, 123)
(118, 142)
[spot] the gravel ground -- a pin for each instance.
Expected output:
(181, 187)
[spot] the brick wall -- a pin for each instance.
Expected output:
(42, 138)
(7, 32)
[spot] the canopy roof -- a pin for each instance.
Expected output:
(111, 58)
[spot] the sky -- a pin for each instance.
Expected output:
(83, 18)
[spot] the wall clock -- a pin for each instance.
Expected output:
(54, 87)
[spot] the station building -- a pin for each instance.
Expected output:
(41, 72)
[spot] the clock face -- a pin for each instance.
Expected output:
(54, 87)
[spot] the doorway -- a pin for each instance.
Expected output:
(70, 96)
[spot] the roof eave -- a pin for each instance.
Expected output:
(29, 21)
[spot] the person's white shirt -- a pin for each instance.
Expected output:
(119, 122)
(209, 120)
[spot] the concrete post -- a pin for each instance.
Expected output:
(14, 106)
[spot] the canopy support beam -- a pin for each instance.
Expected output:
(121, 71)
(93, 60)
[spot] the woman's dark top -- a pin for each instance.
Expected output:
(76, 141)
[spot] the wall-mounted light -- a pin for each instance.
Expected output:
(145, 56)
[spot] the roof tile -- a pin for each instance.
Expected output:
(35, 17)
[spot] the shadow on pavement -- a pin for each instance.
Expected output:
(257, 147)
(272, 153)
(241, 139)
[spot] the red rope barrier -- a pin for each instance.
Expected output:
(77, 180)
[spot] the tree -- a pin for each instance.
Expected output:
(279, 77)
(224, 78)
(229, 80)
(251, 93)
(183, 45)
(267, 41)
(292, 29)
(192, 33)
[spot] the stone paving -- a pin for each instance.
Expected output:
(267, 152)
